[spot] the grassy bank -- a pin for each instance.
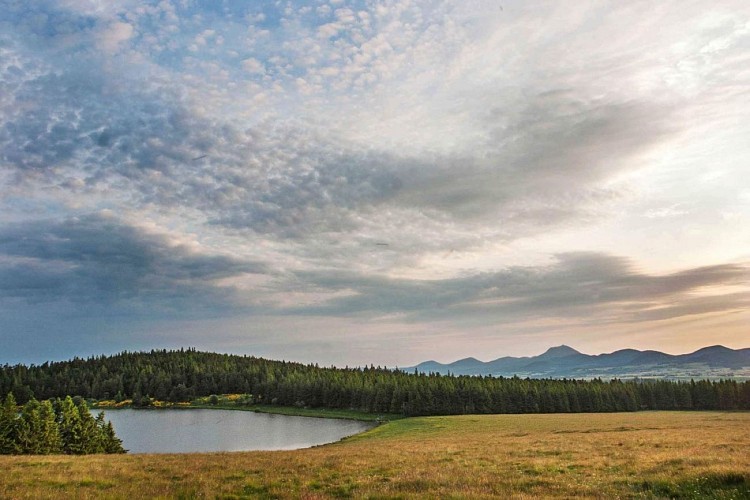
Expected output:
(648, 454)
(326, 413)
(234, 402)
(304, 412)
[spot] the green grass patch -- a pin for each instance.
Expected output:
(720, 485)
(326, 413)
(255, 489)
(93, 483)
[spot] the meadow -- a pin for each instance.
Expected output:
(617, 455)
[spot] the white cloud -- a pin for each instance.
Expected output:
(113, 35)
(253, 66)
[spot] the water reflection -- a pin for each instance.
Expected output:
(198, 430)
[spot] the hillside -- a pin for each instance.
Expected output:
(565, 362)
(185, 375)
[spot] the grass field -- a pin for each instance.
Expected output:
(649, 455)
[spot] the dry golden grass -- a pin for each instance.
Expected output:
(653, 454)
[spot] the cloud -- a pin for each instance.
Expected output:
(113, 35)
(588, 287)
(423, 161)
(254, 66)
(100, 261)
(541, 163)
(545, 164)
(289, 180)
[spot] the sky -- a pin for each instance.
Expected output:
(373, 181)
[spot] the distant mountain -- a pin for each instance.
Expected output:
(561, 351)
(565, 362)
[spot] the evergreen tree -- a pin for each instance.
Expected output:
(50, 431)
(71, 427)
(28, 434)
(111, 443)
(37, 431)
(9, 426)
(43, 428)
(91, 438)
(186, 374)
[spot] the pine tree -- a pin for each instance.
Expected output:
(112, 444)
(9, 426)
(71, 427)
(44, 428)
(91, 439)
(50, 432)
(191, 374)
(29, 429)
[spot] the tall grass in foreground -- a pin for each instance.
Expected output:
(646, 455)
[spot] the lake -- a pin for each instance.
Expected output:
(199, 430)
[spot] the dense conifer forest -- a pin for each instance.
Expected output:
(54, 426)
(187, 374)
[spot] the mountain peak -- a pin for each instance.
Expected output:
(564, 361)
(466, 360)
(713, 348)
(559, 352)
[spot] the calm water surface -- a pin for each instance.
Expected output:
(197, 430)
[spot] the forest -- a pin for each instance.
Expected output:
(186, 374)
(53, 427)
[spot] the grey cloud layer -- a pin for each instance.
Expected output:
(97, 260)
(543, 164)
(602, 287)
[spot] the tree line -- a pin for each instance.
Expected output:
(54, 426)
(186, 374)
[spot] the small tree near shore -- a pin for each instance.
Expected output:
(59, 426)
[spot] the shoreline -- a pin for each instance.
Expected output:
(377, 418)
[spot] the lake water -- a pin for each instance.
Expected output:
(198, 430)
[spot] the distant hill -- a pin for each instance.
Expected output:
(565, 362)
(145, 378)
